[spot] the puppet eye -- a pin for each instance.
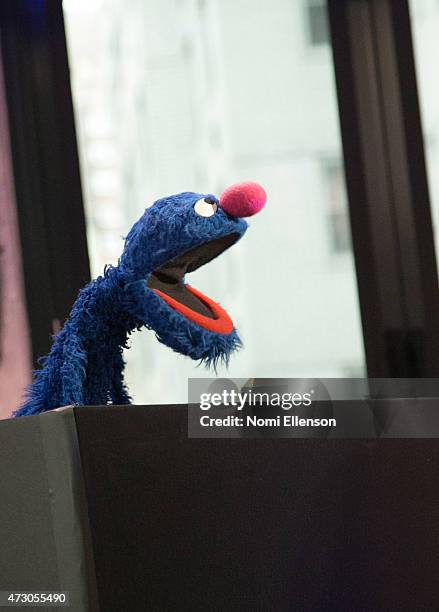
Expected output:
(205, 209)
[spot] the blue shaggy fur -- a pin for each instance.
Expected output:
(85, 365)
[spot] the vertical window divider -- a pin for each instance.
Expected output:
(387, 186)
(45, 163)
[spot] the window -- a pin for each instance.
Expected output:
(338, 216)
(317, 22)
(425, 24)
(177, 95)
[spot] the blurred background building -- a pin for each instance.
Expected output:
(177, 95)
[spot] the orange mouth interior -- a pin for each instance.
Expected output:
(221, 323)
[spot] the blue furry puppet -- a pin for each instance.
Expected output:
(174, 236)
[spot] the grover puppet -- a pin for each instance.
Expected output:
(174, 236)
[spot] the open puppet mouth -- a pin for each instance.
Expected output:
(168, 283)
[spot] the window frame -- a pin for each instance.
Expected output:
(45, 163)
(387, 186)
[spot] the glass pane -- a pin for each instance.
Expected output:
(425, 24)
(178, 95)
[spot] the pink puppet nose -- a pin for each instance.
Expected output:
(243, 199)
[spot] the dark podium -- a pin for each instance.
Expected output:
(119, 507)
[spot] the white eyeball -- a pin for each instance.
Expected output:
(205, 209)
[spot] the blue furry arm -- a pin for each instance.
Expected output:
(61, 381)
